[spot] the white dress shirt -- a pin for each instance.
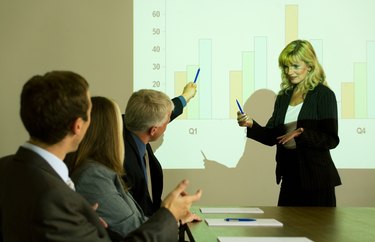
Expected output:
(58, 165)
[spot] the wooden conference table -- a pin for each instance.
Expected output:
(315, 223)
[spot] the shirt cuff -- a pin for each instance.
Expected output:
(183, 100)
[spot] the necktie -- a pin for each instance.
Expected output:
(148, 178)
(70, 183)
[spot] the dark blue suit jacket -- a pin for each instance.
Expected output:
(135, 177)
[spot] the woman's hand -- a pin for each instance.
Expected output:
(291, 135)
(243, 120)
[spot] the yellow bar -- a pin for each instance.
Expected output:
(235, 92)
(179, 83)
(291, 23)
(347, 100)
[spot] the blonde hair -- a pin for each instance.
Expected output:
(301, 50)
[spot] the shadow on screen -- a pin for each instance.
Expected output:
(255, 170)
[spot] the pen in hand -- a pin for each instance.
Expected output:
(239, 219)
(239, 106)
(196, 75)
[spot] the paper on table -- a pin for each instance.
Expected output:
(231, 210)
(257, 222)
(263, 239)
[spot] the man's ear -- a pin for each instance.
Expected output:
(77, 125)
(153, 130)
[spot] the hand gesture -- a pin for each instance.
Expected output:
(102, 221)
(243, 120)
(189, 91)
(179, 202)
(286, 137)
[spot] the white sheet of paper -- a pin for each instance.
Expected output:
(231, 210)
(257, 222)
(263, 239)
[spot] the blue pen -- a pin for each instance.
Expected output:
(239, 107)
(196, 75)
(239, 219)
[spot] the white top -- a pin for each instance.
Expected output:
(58, 165)
(292, 113)
(290, 123)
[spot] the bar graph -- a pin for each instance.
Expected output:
(357, 96)
(236, 46)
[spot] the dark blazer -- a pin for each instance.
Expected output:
(318, 117)
(37, 205)
(135, 177)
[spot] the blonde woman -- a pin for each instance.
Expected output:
(304, 128)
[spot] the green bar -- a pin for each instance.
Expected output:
(247, 74)
(193, 105)
(360, 90)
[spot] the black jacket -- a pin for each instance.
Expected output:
(318, 117)
(135, 178)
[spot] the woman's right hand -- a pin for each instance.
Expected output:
(243, 120)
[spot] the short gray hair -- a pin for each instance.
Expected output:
(147, 108)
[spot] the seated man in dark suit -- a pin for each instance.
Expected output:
(147, 115)
(37, 197)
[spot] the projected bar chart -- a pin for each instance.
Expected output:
(236, 46)
(358, 95)
(242, 83)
